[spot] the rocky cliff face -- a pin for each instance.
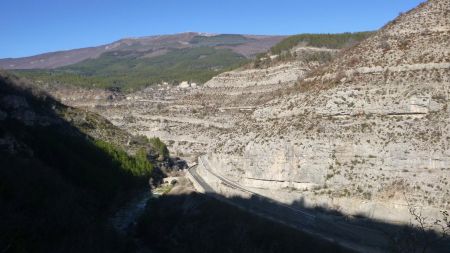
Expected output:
(365, 134)
(371, 128)
(276, 72)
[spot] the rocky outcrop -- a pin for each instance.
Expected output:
(281, 74)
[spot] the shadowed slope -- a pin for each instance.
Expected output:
(57, 184)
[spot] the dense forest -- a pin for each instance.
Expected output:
(130, 70)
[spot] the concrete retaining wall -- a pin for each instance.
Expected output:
(194, 182)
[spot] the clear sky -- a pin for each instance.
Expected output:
(31, 27)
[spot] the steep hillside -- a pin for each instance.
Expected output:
(331, 41)
(289, 60)
(367, 134)
(59, 181)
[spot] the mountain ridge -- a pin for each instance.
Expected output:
(51, 60)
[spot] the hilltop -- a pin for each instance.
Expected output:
(147, 47)
(136, 62)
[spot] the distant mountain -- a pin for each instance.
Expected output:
(137, 62)
(146, 47)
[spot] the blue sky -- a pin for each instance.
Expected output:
(30, 27)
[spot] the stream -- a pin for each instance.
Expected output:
(125, 217)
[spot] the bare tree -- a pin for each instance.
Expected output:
(423, 233)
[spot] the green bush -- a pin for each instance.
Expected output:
(137, 165)
(160, 147)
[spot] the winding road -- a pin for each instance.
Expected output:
(351, 234)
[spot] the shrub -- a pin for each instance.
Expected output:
(160, 147)
(138, 165)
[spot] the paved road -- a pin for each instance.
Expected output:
(331, 228)
(301, 213)
(199, 179)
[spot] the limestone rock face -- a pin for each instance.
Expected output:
(283, 73)
(363, 134)
(373, 121)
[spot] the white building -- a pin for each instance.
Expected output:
(184, 85)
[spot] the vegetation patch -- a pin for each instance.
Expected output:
(332, 41)
(129, 70)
